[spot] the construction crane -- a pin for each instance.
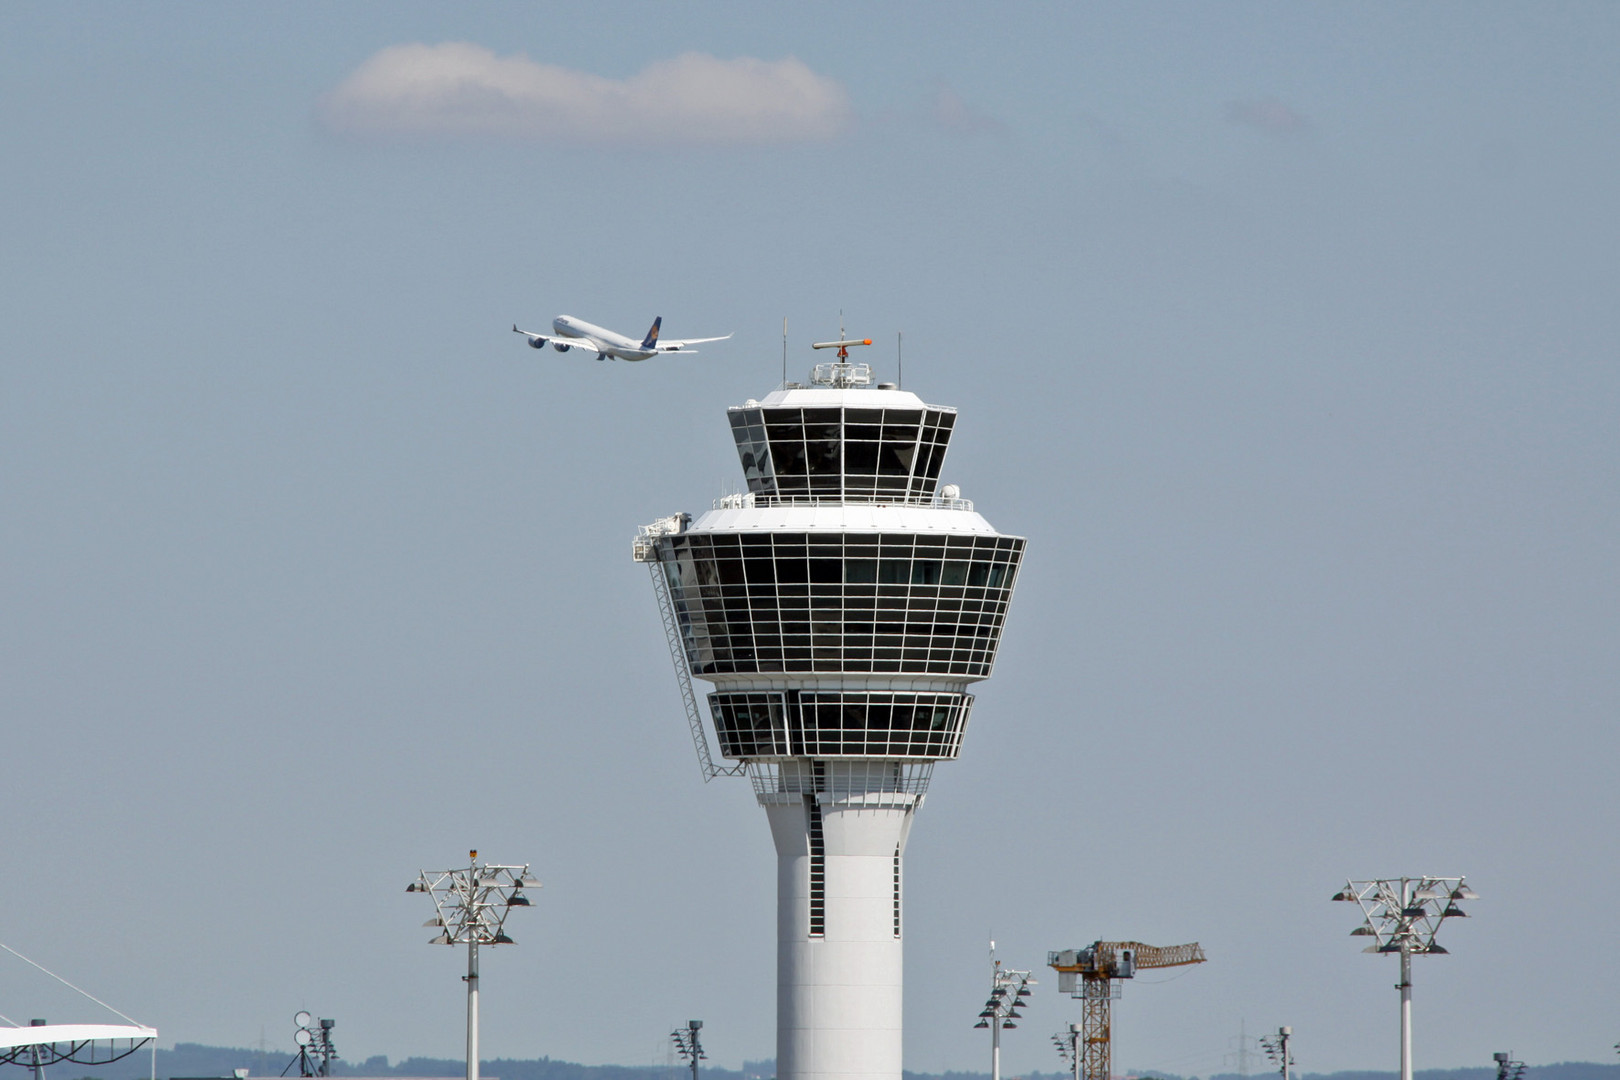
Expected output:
(1093, 974)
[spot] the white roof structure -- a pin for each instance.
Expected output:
(856, 397)
(86, 1044)
(46, 1034)
(945, 516)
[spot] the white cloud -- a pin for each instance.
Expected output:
(458, 89)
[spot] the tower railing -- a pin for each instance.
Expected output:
(841, 374)
(862, 779)
(746, 500)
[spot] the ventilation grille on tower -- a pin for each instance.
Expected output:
(818, 872)
(897, 891)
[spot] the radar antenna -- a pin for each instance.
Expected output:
(841, 372)
(843, 345)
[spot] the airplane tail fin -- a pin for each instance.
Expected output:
(651, 340)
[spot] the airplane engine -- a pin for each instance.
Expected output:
(560, 347)
(537, 343)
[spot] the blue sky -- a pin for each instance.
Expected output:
(1285, 333)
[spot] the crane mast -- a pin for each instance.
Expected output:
(1093, 974)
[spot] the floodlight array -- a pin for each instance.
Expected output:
(1278, 1051)
(1508, 1069)
(1008, 990)
(689, 1046)
(1068, 1048)
(472, 902)
(1404, 914)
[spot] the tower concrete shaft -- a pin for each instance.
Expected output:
(841, 607)
(838, 962)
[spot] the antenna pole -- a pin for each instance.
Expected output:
(899, 360)
(472, 981)
(784, 350)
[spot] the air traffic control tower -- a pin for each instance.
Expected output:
(842, 607)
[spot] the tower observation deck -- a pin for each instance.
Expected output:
(841, 607)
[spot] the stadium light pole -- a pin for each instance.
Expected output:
(471, 904)
(688, 1045)
(1403, 915)
(1008, 989)
(1276, 1047)
(1068, 1048)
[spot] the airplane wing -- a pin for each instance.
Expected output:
(540, 341)
(680, 346)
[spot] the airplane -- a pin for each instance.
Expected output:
(571, 333)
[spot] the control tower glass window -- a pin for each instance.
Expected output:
(846, 453)
(840, 723)
(855, 602)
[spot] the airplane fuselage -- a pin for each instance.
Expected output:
(606, 341)
(569, 333)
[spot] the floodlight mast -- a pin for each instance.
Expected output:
(1507, 1068)
(1008, 989)
(1403, 915)
(471, 906)
(1068, 1048)
(1276, 1047)
(688, 1045)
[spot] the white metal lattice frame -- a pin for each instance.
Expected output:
(1404, 914)
(471, 903)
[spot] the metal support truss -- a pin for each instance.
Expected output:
(683, 674)
(94, 1048)
(1095, 1025)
